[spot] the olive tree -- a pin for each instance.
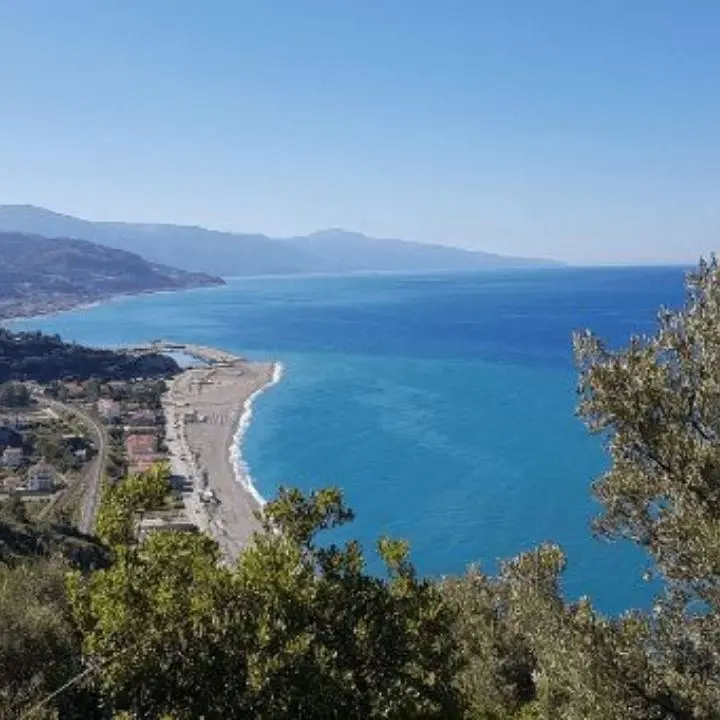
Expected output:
(657, 403)
(297, 628)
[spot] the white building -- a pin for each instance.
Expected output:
(108, 409)
(12, 458)
(41, 478)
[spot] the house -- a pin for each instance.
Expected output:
(142, 418)
(12, 457)
(41, 478)
(108, 409)
(11, 484)
(141, 463)
(140, 444)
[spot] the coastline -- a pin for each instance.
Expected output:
(208, 410)
(238, 462)
(56, 309)
(37, 310)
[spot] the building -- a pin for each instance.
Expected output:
(12, 457)
(11, 484)
(108, 409)
(153, 524)
(142, 418)
(142, 463)
(142, 451)
(41, 478)
(140, 444)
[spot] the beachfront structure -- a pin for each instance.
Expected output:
(148, 525)
(41, 478)
(12, 458)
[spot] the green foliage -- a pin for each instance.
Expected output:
(151, 618)
(22, 539)
(293, 630)
(124, 503)
(14, 395)
(39, 647)
(47, 442)
(531, 655)
(658, 404)
(46, 358)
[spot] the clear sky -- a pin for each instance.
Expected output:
(582, 130)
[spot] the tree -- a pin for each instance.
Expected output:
(124, 503)
(15, 395)
(531, 655)
(294, 629)
(39, 647)
(658, 404)
(93, 388)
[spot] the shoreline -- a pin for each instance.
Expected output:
(238, 462)
(62, 308)
(70, 305)
(208, 410)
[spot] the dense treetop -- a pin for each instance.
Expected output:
(44, 358)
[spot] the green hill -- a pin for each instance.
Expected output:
(39, 274)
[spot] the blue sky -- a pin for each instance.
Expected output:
(587, 131)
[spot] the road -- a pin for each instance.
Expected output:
(92, 477)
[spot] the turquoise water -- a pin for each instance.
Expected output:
(443, 406)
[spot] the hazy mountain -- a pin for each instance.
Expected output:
(39, 274)
(343, 249)
(223, 253)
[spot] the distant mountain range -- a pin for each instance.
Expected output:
(38, 274)
(235, 254)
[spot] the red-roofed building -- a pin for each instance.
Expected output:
(140, 444)
(144, 462)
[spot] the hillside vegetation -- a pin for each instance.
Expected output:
(39, 273)
(44, 358)
(298, 629)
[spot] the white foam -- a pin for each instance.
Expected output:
(240, 466)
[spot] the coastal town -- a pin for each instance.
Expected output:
(60, 442)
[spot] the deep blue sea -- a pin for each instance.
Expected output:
(442, 405)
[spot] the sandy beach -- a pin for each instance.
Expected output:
(203, 409)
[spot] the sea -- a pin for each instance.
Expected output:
(442, 405)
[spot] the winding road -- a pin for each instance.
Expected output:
(92, 477)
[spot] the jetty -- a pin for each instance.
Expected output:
(207, 355)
